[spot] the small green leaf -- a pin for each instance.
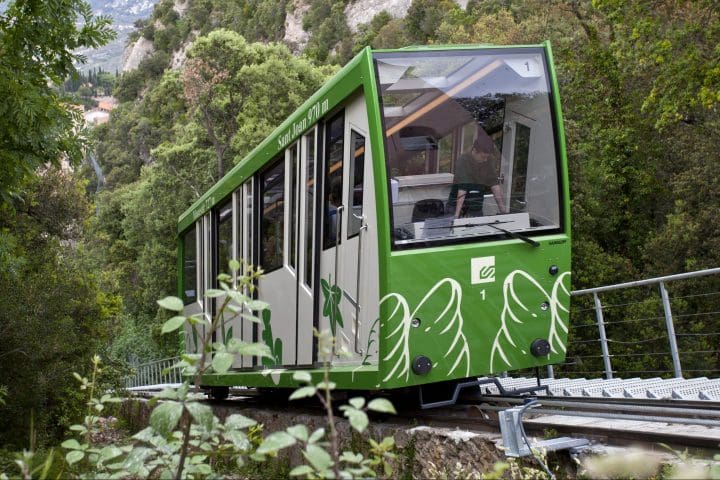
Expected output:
(256, 305)
(222, 361)
(71, 444)
(202, 414)
(234, 265)
(238, 439)
(275, 441)
(109, 452)
(171, 303)
(381, 405)
(252, 318)
(303, 392)
(167, 394)
(326, 386)
(237, 422)
(302, 377)
(74, 456)
(214, 293)
(135, 461)
(257, 457)
(145, 435)
(165, 417)
(316, 435)
(298, 431)
(302, 470)
(237, 296)
(357, 402)
(351, 457)
(318, 457)
(107, 398)
(255, 350)
(173, 324)
(358, 419)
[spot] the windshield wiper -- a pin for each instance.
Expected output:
(512, 234)
(494, 225)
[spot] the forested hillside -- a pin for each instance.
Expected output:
(640, 91)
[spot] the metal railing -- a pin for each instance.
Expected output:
(641, 330)
(154, 373)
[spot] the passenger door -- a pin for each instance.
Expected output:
(516, 148)
(348, 300)
(306, 241)
(277, 257)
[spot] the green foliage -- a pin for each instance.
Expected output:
(50, 300)
(37, 44)
(368, 33)
(424, 17)
(256, 20)
(330, 37)
(166, 148)
(186, 439)
(129, 86)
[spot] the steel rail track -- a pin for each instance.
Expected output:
(623, 421)
(616, 421)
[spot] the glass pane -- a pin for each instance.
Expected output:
(272, 217)
(189, 267)
(520, 166)
(453, 171)
(293, 203)
(249, 226)
(357, 169)
(224, 237)
(309, 208)
(333, 178)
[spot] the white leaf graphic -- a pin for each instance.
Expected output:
(510, 314)
(450, 320)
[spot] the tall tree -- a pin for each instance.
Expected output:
(38, 39)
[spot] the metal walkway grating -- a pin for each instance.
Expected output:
(701, 388)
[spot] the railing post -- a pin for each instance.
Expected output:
(670, 331)
(603, 337)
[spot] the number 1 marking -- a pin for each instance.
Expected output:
(527, 65)
(482, 294)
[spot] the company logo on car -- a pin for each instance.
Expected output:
(482, 270)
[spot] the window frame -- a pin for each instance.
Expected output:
(556, 124)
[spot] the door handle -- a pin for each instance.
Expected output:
(363, 228)
(338, 229)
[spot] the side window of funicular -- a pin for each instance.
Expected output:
(225, 237)
(357, 174)
(469, 137)
(334, 143)
(190, 266)
(272, 217)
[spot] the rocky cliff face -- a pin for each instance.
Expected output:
(295, 37)
(363, 11)
(357, 12)
(135, 53)
(124, 13)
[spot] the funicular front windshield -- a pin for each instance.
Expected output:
(470, 144)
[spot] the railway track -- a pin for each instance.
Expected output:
(646, 422)
(680, 424)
